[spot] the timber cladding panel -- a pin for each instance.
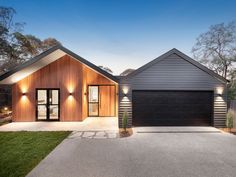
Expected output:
(67, 74)
(91, 77)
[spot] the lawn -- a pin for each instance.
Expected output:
(20, 152)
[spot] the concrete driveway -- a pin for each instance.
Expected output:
(207, 153)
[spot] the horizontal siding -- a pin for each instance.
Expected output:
(175, 73)
(125, 104)
(220, 110)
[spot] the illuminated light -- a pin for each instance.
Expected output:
(5, 108)
(23, 89)
(71, 87)
(125, 90)
(219, 91)
(125, 99)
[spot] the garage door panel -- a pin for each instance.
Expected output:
(177, 108)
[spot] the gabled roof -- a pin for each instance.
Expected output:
(183, 56)
(44, 59)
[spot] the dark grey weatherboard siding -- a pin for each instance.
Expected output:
(173, 72)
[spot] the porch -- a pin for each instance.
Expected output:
(89, 124)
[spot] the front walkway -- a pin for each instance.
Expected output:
(89, 124)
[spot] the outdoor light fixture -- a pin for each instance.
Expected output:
(125, 90)
(85, 93)
(23, 94)
(70, 93)
(5, 108)
(219, 94)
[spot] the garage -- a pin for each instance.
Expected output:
(172, 108)
(173, 90)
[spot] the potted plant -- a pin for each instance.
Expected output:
(229, 120)
(125, 121)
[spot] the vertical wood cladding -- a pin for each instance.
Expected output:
(67, 74)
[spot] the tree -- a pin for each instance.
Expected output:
(105, 68)
(15, 47)
(49, 42)
(217, 48)
(127, 72)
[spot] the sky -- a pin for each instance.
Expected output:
(122, 34)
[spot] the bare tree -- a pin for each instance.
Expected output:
(127, 72)
(105, 68)
(217, 48)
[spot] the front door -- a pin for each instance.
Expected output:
(47, 106)
(102, 100)
(93, 101)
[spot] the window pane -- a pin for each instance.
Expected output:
(93, 94)
(42, 97)
(54, 112)
(54, 97)
(93, 109)
(42, 112)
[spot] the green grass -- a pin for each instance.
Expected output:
(20, 152)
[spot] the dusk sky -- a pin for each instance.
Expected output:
(122, 34)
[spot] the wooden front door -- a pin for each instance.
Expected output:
(107, 101)
(102, 100)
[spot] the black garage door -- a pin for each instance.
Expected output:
(172, 108)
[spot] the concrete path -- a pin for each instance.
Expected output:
(95, 134)
(178, 129)
(89, 124)
(208, 154)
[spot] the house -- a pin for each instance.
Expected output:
(172, 90)
(59, 85)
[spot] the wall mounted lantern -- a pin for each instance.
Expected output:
(219, 91)
(125, 90)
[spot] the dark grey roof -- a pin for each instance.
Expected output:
(49, 51)
(183, 56)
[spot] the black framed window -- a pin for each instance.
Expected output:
(93, 101)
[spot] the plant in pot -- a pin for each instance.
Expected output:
(125, 122)
(229, 120)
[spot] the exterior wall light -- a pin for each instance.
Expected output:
(219, 91)
(125, 90)
(85, 93)
(219, 94)
(23, 94)
(70, 93)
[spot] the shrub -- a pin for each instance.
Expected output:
(229, 120)
(125, 121)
